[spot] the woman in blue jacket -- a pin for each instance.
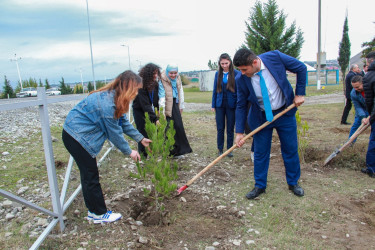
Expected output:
(224, 99)
(98, 117)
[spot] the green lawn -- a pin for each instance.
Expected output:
(194, 95)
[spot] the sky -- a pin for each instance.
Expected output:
(52, 37)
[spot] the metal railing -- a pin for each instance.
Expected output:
(59, 204)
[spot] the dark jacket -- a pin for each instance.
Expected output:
(369, 88)
(143, 102)
(348, 83)
(217, 98)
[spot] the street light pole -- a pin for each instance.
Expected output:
(92, 61)
(124, 45)
(18, 69)
(319, 53)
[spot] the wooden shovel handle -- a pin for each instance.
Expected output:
(235, 146)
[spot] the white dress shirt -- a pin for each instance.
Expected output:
(274, 92)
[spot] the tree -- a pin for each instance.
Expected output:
(47, 84)
(40, 83)
(369, 46)
(90, 87)
(266, 31)
(65, 89)
(212, 66)
(78, 89)
(7, 89)
(344, 50)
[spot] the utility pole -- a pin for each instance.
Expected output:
(319, 49)
(92, 61)
(124, 45)
(18, 69)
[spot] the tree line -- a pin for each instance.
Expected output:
(9, 92)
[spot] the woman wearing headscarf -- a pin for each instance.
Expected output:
(224, 99)
(146, 100)
(171, 98)
(98, 117)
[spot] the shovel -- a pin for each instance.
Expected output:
(232, 148)
(359, 130)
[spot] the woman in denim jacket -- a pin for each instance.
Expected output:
(98, 117)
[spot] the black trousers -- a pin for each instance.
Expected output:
(91, 189)
(348, 107)
(140, 123)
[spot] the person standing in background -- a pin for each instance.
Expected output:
(354, 70)
(224, 100)
(147, 100)
(171, 98)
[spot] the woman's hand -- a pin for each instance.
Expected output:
(213, 109)
(146, 142)
(135, 155)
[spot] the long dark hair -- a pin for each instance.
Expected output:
(126, 89)
(231, 82)
(147, 73)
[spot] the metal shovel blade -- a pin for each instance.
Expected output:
(329, 158)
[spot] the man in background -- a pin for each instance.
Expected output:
(369, 87)
(358, 98)
(354, 70)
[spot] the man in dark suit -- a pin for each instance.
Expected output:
(369, 88)
(264, 84)
(354, 70)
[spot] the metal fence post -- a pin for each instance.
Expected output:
(48, 152)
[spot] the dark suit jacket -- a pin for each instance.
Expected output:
(277, 63)
(217, 98)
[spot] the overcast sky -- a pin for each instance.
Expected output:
(52, 37)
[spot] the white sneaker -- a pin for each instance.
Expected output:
(104, 218)
(252, 156)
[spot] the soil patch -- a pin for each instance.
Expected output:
(188, 219)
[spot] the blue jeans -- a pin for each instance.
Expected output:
(286, 128)
(221, 114)
(356, 124)
(370, 156)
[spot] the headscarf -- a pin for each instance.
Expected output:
(173, 67)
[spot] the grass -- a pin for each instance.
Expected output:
(194, 95)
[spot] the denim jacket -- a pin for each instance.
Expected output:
(92, 121)
(359, 104)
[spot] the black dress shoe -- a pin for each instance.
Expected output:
(220, 152)
(345, 123)
(230, 155)
(297, 190)
(368, 172)
(255, 193)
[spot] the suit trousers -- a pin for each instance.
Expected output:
(91, 189)
(348, 106)
(286, 128)
(221, 114)
(370, 156)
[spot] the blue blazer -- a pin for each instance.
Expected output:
(277, 63)
(217, 98)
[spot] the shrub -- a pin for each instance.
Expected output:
(158, 169)
(302, 136)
